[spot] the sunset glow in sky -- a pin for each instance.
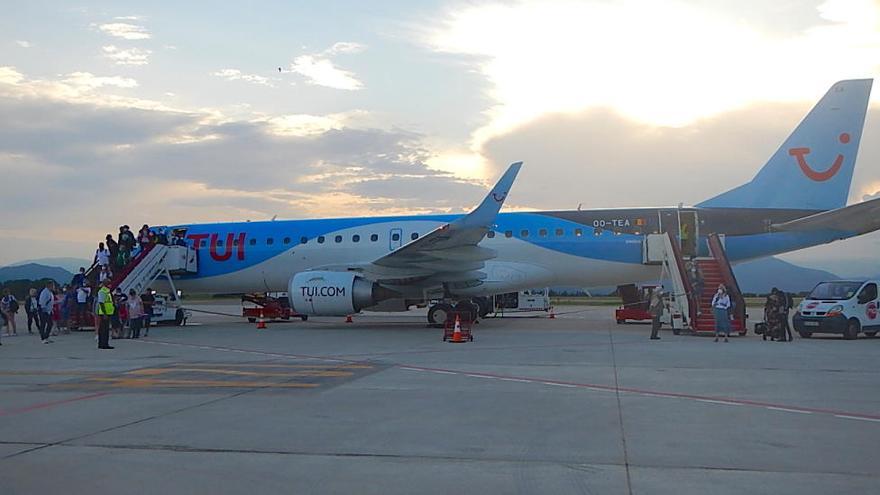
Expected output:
(161, 112)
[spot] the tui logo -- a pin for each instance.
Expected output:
(499, 198)
(800, 154)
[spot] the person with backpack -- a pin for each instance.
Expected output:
(32, 309)
(113, 248)
(126, 245)
(103, 254)
(135, 314)
(9, 306)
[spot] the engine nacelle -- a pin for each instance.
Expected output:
(322, 293)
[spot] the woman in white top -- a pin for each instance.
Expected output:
(721, 311)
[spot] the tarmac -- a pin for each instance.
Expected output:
(575, 404)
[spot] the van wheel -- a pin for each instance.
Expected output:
(304, 317)
(620, 322)
(852, 330)
(252, 320)
(871, 334)
(805, 335)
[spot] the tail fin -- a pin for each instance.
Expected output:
(813, 168)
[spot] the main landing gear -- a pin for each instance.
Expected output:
(467, 309)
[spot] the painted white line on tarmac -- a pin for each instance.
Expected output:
(844, 416)
(722, 402)
(518, 380)
(442, 372)
(411, 369)
(560, 384)
(785, 409)
(481, 376)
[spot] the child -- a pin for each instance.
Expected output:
(135, 313)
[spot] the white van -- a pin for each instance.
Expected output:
(844, 307)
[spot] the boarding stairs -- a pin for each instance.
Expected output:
(687, 309)
(152, 262)
(716, 270)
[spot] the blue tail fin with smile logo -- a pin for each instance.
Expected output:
(813, 168)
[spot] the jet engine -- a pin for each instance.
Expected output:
(323, 293)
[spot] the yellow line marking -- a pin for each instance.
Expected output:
(259, 373)
(50, 373)
(261, 365)
(159, 383)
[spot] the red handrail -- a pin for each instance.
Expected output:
(729, 279)
(126, 271)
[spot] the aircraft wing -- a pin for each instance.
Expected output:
(451, 252)
(859, 218)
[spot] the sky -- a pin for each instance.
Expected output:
(181, 112)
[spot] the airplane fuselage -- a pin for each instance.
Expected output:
(534, 249)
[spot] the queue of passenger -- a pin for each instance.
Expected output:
(55, 312)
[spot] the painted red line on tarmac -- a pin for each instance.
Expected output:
(656, 393)
(47, 405)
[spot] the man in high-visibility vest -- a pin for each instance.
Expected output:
(104, 309)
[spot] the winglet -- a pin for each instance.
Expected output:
(484, 215)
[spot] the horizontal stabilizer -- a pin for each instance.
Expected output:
(857, 219)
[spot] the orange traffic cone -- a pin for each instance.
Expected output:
(456, 331)
(348, 319)
(552, 314)
(261, 323)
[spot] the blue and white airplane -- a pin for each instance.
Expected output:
(343, 265)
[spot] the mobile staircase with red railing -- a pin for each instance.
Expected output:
(716, 270)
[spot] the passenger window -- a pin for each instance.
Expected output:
(578, 232)
(490, 234)
(269, 241)
(414, 236)
(524, 233)
(560, 232)
(597, 231)
(355, 238)
(287, 240)
(253, 242)
(374, 237)
(395, 236)
(338, 239)
(508, 233)
(542, 232)
(303, 240)
(320, 239)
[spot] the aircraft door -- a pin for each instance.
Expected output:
(687, 232)
(395, 239)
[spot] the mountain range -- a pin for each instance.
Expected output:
(34, 271)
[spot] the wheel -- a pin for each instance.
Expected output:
(179, 317)
(252, 320)
(871, 334)
(468, 310)
(805, 335)
(304, 317)
(676, 331)
(484, 305)
(742, 334)
(438, 314)
(620, 322)
(852, 330)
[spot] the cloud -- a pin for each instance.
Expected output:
(23, 43)
(87, 80)
(664, 62)
(125, 30)
(319, 70)
(322, 72)
(237, 75)
(345, 47)
(128, 56)
(209, 167)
